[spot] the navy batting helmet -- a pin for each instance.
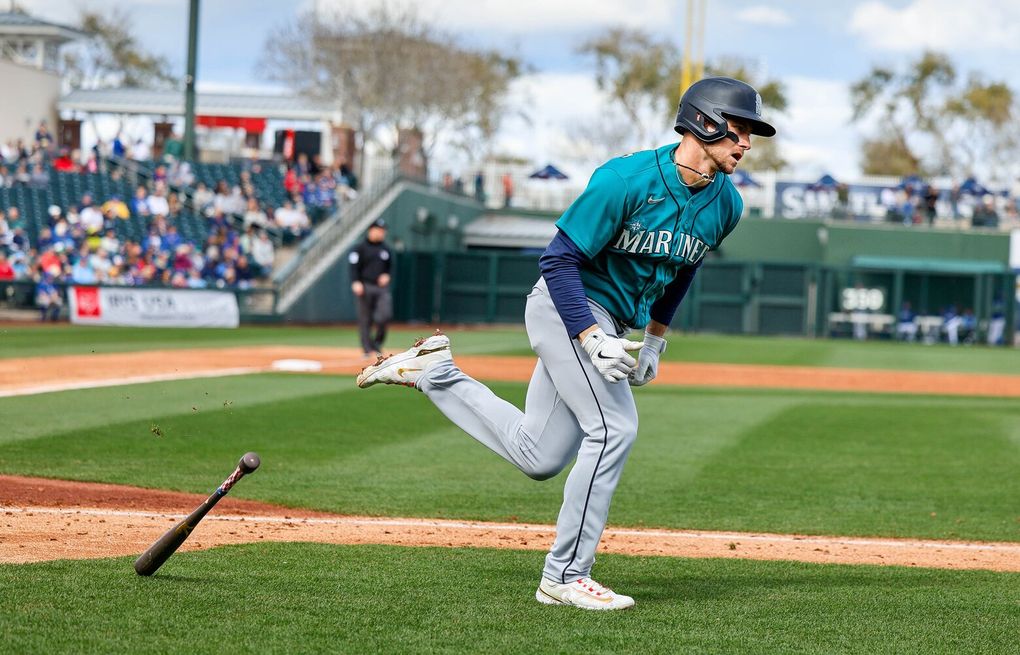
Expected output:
(713, 100)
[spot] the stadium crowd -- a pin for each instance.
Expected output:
(87, 242)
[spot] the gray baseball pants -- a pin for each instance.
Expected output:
(570, 411)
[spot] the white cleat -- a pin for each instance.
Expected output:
(407, 367)
(584, 593)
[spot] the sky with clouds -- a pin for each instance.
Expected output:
(815, 48)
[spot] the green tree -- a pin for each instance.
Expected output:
(947, 127)
(638, 71)
(765, 154)
(641, 74)
(111, 57)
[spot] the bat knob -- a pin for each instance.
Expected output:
(249, 462)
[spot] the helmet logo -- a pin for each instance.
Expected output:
(757, 103)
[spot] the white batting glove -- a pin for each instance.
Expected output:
(648, 361)
(609, 354)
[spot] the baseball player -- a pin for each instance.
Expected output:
(623, 258)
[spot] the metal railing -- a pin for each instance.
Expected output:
(329, 236)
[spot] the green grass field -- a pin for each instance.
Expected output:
(275, 598)
(730, 459)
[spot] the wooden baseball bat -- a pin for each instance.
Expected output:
(165, 546)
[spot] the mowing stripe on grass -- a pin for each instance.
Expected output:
(131, 379)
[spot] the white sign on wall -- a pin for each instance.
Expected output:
(153, 307)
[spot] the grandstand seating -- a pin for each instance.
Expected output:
(66, 190)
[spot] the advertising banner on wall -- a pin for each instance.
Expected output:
(132, 306)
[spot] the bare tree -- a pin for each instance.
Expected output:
(111, 56)
(386, 68)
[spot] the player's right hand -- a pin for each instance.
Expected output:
(609, 354)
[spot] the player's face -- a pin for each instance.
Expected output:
(727, 153)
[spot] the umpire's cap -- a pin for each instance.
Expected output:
(712, 100)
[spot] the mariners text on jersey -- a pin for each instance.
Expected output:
(638, 225)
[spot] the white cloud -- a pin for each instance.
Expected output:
(527, 16)
(947, 25)
(764, 15)
(816, 132)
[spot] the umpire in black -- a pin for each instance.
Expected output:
(370, 263)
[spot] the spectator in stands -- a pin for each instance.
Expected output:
(171, 239)
(263, 253)
(508, 189)
(157, 202)
(159, 175)
(43, 138)
(6, 180)
(6, 270)
(91, 164)
(254, 215)
(370, 263)
(448, 182)
(291, 182)
(117, 148)
(244, 275)
(985, 214)
(195, 280)
(930, 202)
(140, 203)
(347, 177)
(5, 229)
(140, 151)
(110, 242)
(480, 187)
(82, 272)
(101, 264)
(115, 208)
(20, 264)
(19, 240)
(48, 299)
(181, 175)
(45, 239)
(64, 163)
(202, 197)
(92, 219)
(173, 148)
(21, 175)
(292, 219)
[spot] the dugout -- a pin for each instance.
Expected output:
(929, 285)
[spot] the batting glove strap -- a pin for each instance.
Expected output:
(609, 354)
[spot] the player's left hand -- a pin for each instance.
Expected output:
(648, 361)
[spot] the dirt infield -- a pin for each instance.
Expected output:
(52, 519)
(21, 376)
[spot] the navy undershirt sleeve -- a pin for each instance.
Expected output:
(561, 267)
(665, 307)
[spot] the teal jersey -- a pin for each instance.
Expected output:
(638, 225)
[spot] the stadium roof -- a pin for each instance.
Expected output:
(920, 265)
(16, 23)
(509, 232)
(170, 102)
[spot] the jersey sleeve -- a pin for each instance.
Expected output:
(594, 218)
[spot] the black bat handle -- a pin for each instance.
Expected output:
(153, 558)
